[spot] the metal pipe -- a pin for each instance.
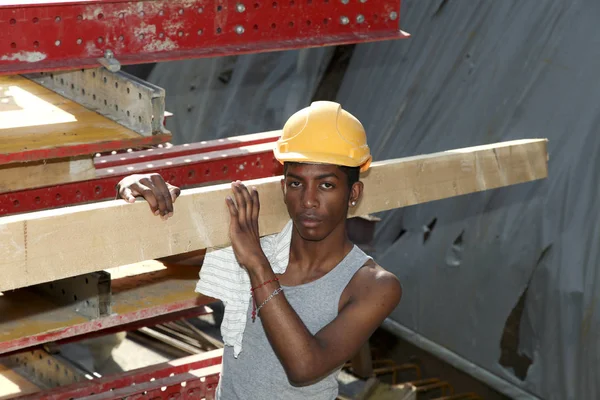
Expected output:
(501, 385)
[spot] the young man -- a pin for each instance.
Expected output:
(316, 315)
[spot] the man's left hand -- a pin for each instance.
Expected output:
(243, 227)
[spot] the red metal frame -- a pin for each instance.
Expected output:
(223, 165)
(199, 372)
(103, 326)
(159, 153)
(63, 151)
(44, 35)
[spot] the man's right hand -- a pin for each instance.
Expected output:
(159, 194)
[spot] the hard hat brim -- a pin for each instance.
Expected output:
(321, 158)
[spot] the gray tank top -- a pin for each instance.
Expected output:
(257, 373)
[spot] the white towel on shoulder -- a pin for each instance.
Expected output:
(222, 277)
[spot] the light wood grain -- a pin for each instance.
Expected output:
(19, 176)
(54, 244)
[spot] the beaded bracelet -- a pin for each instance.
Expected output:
(264, 283)
(275, 293)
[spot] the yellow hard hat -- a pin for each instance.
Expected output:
(324, 133)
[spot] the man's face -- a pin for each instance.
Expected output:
(317, 198)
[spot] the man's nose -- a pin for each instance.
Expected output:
(310, 198)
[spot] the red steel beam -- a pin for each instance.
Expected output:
(114, 323)
(200, 372)
(45, 35)
(159, 153)
(243, 163)
(72, 150)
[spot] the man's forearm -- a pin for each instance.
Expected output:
(293, 343)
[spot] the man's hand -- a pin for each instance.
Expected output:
(152, 187)
(243, 227)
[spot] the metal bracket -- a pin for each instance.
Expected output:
(110, 62)
(90, 294)
(44, 370)
(119, 96)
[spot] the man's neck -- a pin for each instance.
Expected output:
(312, 255)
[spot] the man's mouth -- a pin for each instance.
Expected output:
(309, 221)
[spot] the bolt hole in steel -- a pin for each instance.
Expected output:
(13, 21)
(16, 203)
(13, 45)
(35, 20)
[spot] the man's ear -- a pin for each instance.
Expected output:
(355, 193)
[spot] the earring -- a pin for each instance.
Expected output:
(353, 203)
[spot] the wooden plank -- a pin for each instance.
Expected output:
(52, 244)
(36, 174)
(36, 124)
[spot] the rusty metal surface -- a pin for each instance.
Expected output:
(192, 377)
(136, 300)
(60, 35)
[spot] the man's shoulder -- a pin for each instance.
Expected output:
(372, 278)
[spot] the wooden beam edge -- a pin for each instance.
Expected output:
(53, 244)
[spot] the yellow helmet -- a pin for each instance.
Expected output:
(324, 133)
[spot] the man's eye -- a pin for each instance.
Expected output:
(327, 185)
(294, 184)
